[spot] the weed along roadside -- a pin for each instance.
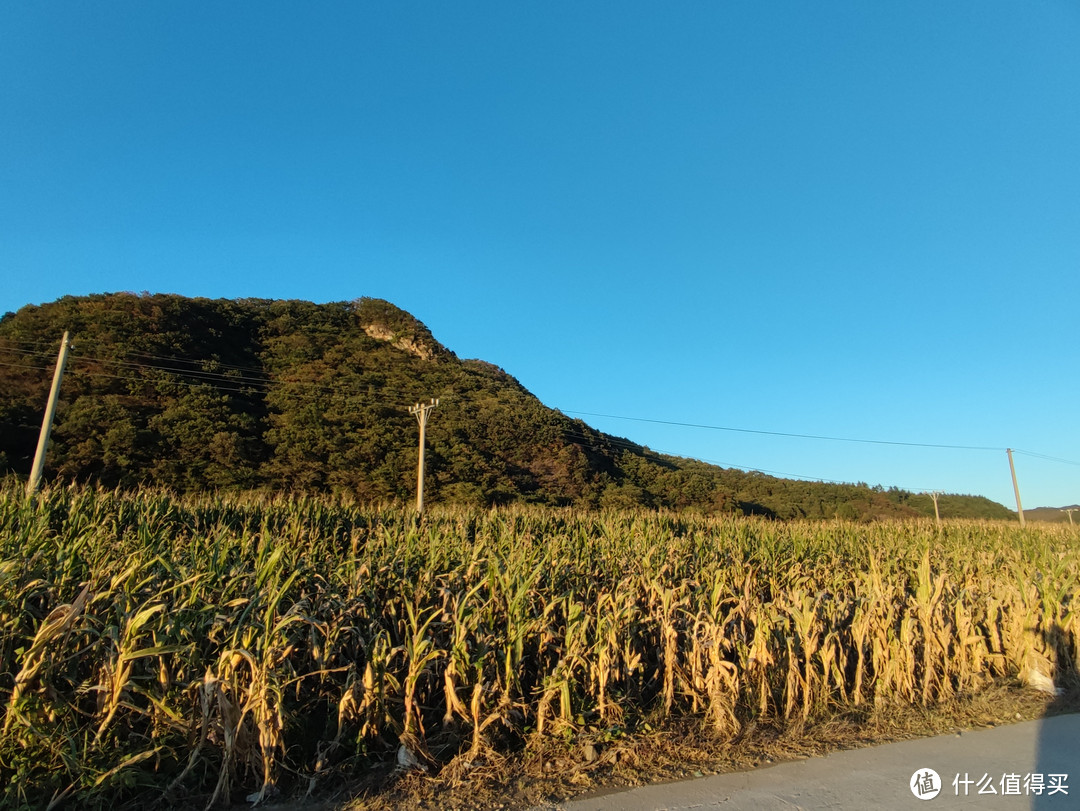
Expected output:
(999, 767)
(209, 650)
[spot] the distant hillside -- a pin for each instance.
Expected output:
(291, 396)
(1055, 514)
(954, 506)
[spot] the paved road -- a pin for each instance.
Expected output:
(879, 777)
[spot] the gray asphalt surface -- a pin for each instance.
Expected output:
(1004, 759)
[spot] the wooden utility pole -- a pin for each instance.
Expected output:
(46, 423)
(421, 411)
(937, 516)
(1016, 487)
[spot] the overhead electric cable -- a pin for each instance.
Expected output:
(168, 358)
(259, 383)
(199, 373)
(247, 384)
(24, 366)
(17, 351)
(225, 383)
(785, 434)
(1044, 456)
(629, 445)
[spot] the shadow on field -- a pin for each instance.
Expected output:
(1056, 751)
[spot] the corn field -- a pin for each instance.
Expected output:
(191, 650)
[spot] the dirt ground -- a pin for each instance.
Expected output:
(598, 761)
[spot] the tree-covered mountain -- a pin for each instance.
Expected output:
(196, 394)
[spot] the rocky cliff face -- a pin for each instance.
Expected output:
(405, 343)
(383, 321)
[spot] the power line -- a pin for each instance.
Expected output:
(786, 434)
(259, 383)
(574, 437)
(222, 382)
(17, 351)
(1043, 456)
(168, 358)
(245, 384)
(24, 366)
(238, 386)
(196, 373)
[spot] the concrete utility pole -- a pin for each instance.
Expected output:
(1070, 511)
(1016, 487)
(937, 516)
(421, 411)
(46, 423)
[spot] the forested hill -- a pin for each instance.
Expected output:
(196, 394)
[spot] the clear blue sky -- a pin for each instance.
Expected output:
(843, 218)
